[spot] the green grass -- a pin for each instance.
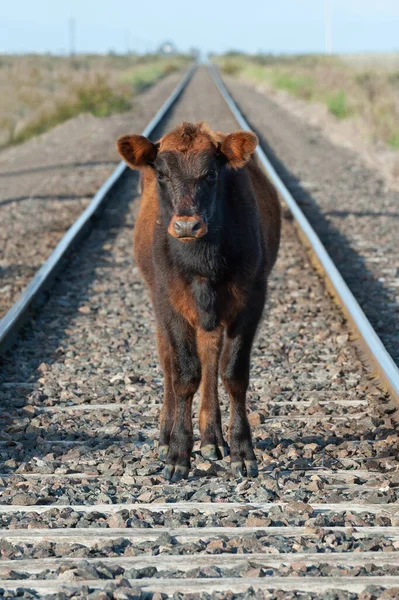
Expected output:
(41, 91)
(101, 100)
(393, 141)
(300, 86)
(362, 88)
(232, 66)
(97, 98)
(143, 76)
(338, 105)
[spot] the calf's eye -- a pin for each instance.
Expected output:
(161, 176)
(212, 175)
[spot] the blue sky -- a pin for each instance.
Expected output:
(211, 25)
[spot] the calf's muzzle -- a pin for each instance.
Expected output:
(187, 228)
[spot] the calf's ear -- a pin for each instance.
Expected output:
(136, 150)
(238, 148)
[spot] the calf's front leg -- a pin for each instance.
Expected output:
(235, 367)
(168, 407)
(185, 376)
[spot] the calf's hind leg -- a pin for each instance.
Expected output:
(209, 345)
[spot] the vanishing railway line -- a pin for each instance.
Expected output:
(84, 507)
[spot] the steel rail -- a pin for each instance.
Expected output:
(17, 314)
(380, 362)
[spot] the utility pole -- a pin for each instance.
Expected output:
(328, 29)
(72, 36)
(127, 41)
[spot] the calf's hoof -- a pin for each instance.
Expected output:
(174, 473)
(213, 452)
(245, 468)
(163, 452)
(178, 461)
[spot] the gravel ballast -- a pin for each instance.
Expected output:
(126, 591)
(80, 396)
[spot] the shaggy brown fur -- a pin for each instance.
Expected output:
(206, 239)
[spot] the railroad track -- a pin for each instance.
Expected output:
(84, 507)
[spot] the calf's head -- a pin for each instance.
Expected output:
(188, 163)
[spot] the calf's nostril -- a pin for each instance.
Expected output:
(179, 226)
(195, 226)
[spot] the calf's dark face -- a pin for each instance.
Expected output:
(189, 177)
(188, 192)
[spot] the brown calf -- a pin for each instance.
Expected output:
(206, 239)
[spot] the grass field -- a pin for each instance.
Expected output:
(39, 91)
(363, 87)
